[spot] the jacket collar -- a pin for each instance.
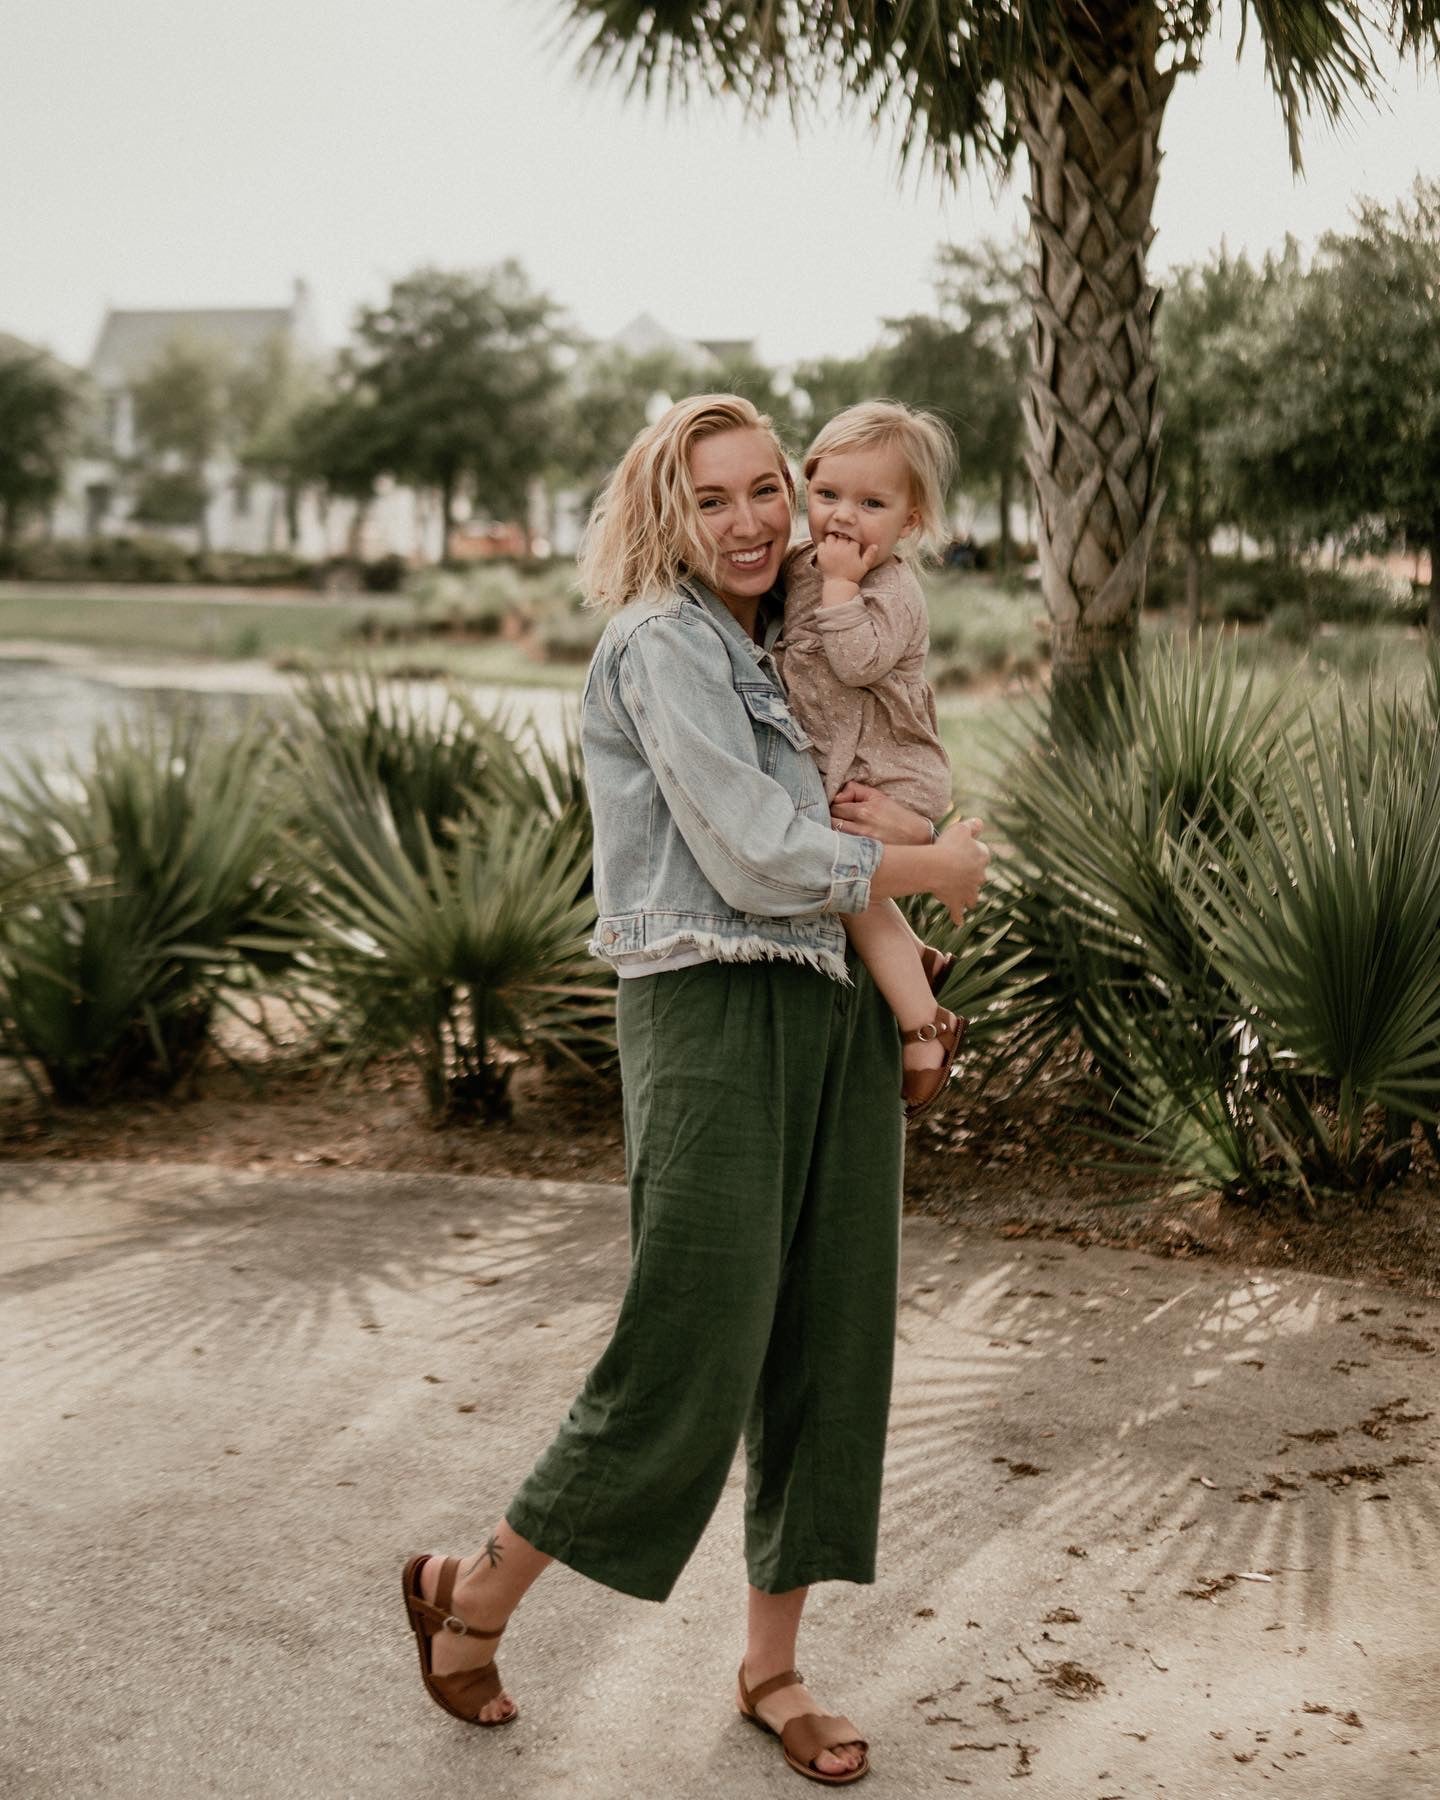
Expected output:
(772, 617)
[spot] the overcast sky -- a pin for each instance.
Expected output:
(193, 153)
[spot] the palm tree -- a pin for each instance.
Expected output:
(1083, 85)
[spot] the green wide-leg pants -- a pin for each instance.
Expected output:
(763, 1145)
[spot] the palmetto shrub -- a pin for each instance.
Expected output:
(133, 890)
(990, 983)
(1240, 922)
(447, 905)
(1091, 878)
(435, 757)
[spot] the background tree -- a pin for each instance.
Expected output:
(182, 422)
(742, 372)
(463, 373)
(1212, 311)
(829, 384)
(266, 397)
(607, 401)
(1343, 426)
(968, 363)
(1084, 85)
(38, 413)
(336, 441)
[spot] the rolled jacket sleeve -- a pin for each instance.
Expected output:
(741, 825)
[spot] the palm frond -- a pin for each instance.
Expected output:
(945, 72)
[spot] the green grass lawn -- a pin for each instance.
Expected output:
(151, 622)
(984, 634)
(490, 661)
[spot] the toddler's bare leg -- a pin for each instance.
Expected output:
(889, 949)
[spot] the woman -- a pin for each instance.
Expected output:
(759, 1069)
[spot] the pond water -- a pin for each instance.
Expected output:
(52, 712)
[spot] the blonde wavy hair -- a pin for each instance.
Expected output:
(925, 445)
(645, 530)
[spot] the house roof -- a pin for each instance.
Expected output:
(722, 349)
(131, 339)
(645, 335)
(129, 342)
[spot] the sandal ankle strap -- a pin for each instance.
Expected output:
(771, 1685)
(943, 1027)
(441, 1613)
(439, 1620)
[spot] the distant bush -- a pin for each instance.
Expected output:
(1249, 592)
(979, 629)
(1289, 623)
(535, 605)
(385, 575)
(474, 601)
(239, 568)
(561, 630)
(151, 560)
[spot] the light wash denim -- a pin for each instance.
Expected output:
(712, 831)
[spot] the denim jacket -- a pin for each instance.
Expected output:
(712, 831)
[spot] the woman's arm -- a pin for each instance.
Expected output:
(758, 853)
(858, 808)
(952, 869)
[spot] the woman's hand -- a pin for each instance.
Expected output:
(866, 812)
(957, 887)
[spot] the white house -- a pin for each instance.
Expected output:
(244, 512)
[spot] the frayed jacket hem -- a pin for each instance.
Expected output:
(716, 947)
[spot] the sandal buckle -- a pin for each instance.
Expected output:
(926, 1034)
(451, 1623)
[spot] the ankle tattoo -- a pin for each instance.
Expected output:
(492, 1553)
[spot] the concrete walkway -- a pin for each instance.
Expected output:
(1121, 1553)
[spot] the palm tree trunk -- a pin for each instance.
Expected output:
(1005, 481)
(1091, 126)
(447, 516)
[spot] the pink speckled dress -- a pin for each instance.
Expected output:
(856, 679)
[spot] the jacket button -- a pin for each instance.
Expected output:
(608, 936)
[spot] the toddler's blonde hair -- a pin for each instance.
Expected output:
(925, 444)
(645, 530)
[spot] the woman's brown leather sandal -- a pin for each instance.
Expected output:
(937, 965)
(920, 1088)
(464, 1692)
(807, 1737)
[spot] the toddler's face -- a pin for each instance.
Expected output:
(862, 495)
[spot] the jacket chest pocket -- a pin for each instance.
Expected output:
(773, 723)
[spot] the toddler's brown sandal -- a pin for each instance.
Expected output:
(920, 1088)
(464, 1692)
(937, 965)
(807, 1737)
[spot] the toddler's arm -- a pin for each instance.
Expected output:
(882, 620)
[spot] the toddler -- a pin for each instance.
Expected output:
(852, 654)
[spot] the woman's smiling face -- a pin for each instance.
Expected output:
(744, 502)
